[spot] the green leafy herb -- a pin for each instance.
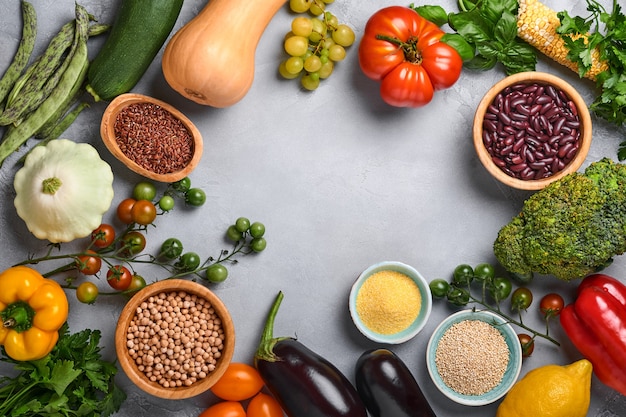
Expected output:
(606, 31)
(73, 380)
(489, 27)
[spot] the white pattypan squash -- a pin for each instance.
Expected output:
(63, 190)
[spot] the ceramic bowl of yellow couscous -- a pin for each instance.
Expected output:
(390, 302)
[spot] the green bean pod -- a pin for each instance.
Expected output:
(27, 89)
(24, 50)
(70, 83)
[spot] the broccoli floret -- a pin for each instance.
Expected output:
(571, 228)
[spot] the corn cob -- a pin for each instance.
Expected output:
(537, 23)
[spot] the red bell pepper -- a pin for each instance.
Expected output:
(596, 325)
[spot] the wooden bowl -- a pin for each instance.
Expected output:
(544, 79)
(130, 366)
(108, 134)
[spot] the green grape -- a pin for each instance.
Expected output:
(307, 54)
(294, 65)
(284, 73)
(343, 35)
(302, 26)
(319, 30)
(337, 53)
(309, 82)
(328, 1)
(312, 63)
(317, 8)
(331, 20)
(327, 42)
(296, 45)
(300, 6)
(326, 70)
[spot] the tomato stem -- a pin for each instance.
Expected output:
(408, 47)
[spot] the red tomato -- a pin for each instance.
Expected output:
(224, 409)
(551, 305)
(240, 382)
(103, 236)
(119, 277)
(263, 405)
(143, 212)
(402, 50)
(124, 210)
(528, 344)
(89, 265)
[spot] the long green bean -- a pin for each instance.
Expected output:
(24, 50)
(71, 81)
(28, 89)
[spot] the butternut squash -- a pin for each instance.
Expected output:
(210, 60)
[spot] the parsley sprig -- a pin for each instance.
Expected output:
(73, 380)
(606, 31)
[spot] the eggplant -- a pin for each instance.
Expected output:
(387, 386)
(303, 382)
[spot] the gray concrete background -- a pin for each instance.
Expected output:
(340, 180)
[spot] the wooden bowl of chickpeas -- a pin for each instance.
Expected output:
(174, 339)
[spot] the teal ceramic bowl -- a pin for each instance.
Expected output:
(511, 373)
(422, 315)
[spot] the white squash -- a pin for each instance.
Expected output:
(63, 190)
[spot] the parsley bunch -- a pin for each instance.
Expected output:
(73, 380)
(606, 31)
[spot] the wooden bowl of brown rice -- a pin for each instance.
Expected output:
(151, 137)
(174, 339)
(489, 363)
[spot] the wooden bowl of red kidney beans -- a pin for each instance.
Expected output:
(151, 137)
(531, 129)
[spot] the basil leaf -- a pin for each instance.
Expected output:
(506, 28)
(472, 26)
(465, 50)
(492, 10)
(435, 14)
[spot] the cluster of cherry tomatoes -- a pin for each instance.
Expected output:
(240, 383)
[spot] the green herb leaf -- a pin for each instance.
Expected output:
(435, 14)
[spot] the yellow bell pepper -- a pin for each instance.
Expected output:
(32, 309)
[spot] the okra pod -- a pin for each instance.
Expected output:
(29, 88)
(70, 83)
(24, 50)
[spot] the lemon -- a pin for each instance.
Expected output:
(550, 391)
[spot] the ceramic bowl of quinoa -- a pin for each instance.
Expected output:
(151, 137)
(390, 302)
(174, 339)
(474, 357)
(531, 129)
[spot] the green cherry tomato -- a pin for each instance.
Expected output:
(182, 185)
(258, 244)
(133, 242)
(144, 190)
(216, 273)
(484, 272)
(521, 299)
(171, 248)
(439, 287)
(500, 288)
(233, 233)
(463, 275)
(166, 203)
(87, 292)
(257, 229)
(242, 224)
(137, 282)
(188, 261)
(195, 197)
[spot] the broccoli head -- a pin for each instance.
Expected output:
(571, 228)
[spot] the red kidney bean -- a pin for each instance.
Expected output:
(531, 130)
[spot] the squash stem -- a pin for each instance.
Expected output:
(51, 185)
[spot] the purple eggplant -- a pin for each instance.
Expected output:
(304, 383)
(387, 386)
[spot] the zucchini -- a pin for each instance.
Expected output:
(140, 29)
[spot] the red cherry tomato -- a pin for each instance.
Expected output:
(528, 344)
(224, 409)
(103, 236)
(551, 305)
(119, 277)
(263, 405)
(143, 212)
(124, 210)
(240, 382)
(402, 50)
(89, 265)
